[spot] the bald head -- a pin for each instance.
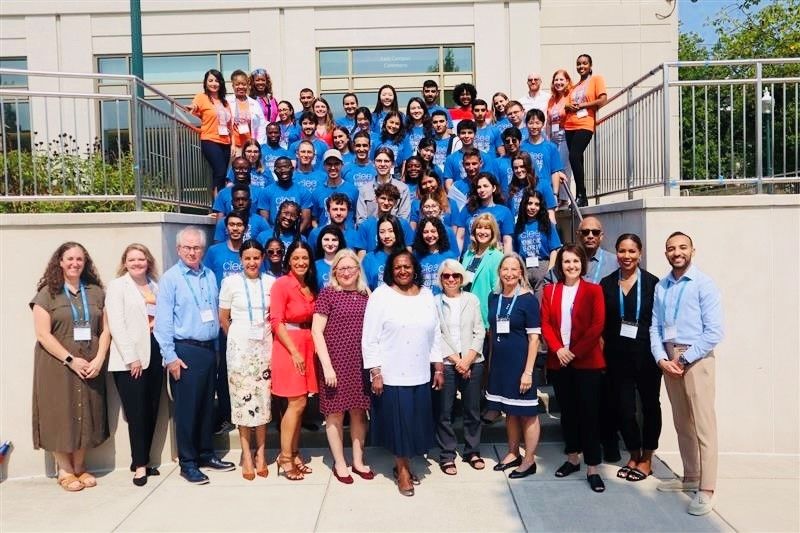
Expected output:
(534, 82)
(590, 235)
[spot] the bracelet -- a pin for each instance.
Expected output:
(437, 372)
(373, 376)
(527, 373)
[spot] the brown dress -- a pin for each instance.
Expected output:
(68, 413)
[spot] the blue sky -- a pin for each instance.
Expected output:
(697, 16)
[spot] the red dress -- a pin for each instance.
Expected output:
(289, 306)
(345, 311)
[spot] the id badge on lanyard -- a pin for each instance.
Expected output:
(628, 329)
(243, 128)
(531, 261)
(503, 325)
(81, 329)
(206, 315)
(256, 332)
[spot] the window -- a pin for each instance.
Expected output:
(15, 110)
(364, 70)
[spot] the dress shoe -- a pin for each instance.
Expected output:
(519, 474)
(224, 428)
(703, 503)
(216, 464)
(347, 480)
(149, 471)
(500, 467)
(678, 485)
(194, 475)
(566, 469)
(140, 481)
(364, 474)
(582, 201)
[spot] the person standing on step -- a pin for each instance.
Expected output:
(686, 327)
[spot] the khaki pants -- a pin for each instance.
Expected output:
(692, 398)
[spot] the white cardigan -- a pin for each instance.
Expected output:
(127, 321)
(258, 124)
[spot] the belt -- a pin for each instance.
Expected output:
(192, 342)
(297, 325)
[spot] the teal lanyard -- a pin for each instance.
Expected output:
(75, 317)
(247, 293)
(638, 296)
(510, 307)
(677, 302)
(191, 289)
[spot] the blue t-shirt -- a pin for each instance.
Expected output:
(351, 236)
(323, 191)
(543, 187)
(532, 243)
(448, 219)
(323, 273)
(501, 213)
(223, 202)
(359, 175)
(443, 146)
(269, 155)
(257, 179)
(374, 264)
(413, 136)
(429, 265)
(289, 134)
(401, 150)
(274, 195)
(222, 261)
(319, 150)
(347, 122)
(502, 125)
(454, 168)
(255, 225)
(437, 107)
(379, 117)
(545, 157)
(368, 231)
(487, 139)
(285, 238)
(348, 157)
(308, 180)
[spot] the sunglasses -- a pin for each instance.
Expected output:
(595, 232)
(274, 252)
(448, 275)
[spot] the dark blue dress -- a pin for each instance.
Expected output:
(509, 354)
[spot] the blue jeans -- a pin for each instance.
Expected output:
(471, 399)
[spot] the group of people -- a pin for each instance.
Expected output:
(400, 352)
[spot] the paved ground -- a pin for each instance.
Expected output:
(755, 494)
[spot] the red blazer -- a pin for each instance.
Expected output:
(588, 316)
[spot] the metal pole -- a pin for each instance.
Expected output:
(175, 165)
(629, 147)
(136, 144)
(759, 132)
(137, 61)
(665, 161)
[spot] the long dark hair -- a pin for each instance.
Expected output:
(443, 242)
(221, 91)
(53, 277)
(367, 114)
(319, 253)
(398, 137)
(399, 236)
(531, 180)
(541, 217)
(295, 229)
(310, 278)
(379, 105)
(473, 202)
(427, 128)
(388, 271)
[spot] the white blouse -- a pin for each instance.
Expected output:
(232, 296)
(567, 301)
(401, 335)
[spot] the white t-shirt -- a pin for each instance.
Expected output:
(567, 301)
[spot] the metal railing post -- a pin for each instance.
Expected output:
(175, 165)
(759, 133)
(136, 146)
(665, 161)
(596, 168)
(629, 146)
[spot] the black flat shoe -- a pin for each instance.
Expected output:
(140, 481)
(500, 467)
(519, 474)
(149, 471)
(566, 469)
(596, 483)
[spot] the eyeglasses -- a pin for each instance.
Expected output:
(191, 248)
(531, 80)
(595, 232)
(454, 275)
(346, 269)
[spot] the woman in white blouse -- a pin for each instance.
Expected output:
(401, 341)
(244, 316)
(135, 357)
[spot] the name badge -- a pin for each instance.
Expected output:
(81, 331)
(151, 309)
(628, 329)
(503, 325)
(670, 333)
(206, 315)
(532, 262)
(223, 130)
(582, 113)
(555, 128)
(243, 128)
(256, 332)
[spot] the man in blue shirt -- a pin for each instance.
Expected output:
(442, 137)
(339, 208)
(308, 126)
(306, 102)
(285, 189)
(453, 167)
(686, 326)
(487, 137)
(306, 173)
(334, 183)
(361, 170)
(430, 94)
(272, 150)
(186, 328)
(240, 199)
(241, 174)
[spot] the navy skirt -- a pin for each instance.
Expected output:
(402, 420)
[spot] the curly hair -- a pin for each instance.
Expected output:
(53, 277)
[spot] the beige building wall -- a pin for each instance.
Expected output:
(510, 38)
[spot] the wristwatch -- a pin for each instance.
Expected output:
(682, 360)
(68, 359)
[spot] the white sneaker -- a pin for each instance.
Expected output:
(703, 503)
(678, 485)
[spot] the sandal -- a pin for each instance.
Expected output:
(596, 482)
(637, 475)
(87, 479)
(414, 479)
(622, 473)
(68, 483)
(475, 461)
(293, 473)
(300, 463)
(448, 468)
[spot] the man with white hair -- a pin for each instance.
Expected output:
(537, 97)
(186, 328)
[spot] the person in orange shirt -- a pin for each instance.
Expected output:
(560, 87)
(585, 99)
(215, 117)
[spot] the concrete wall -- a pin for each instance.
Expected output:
(511, 38)
(749, 246)
(26, 244)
